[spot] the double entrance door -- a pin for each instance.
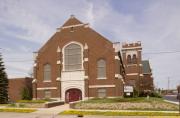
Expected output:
(73, 95)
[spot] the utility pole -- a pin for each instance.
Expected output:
(168, 85)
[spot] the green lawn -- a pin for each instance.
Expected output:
(140, 103)
(116, 113)
(17, 110)
(115, 100)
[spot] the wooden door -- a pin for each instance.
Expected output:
(73, 95)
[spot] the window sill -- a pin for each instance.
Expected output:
(102, 78)
(72, 70)
(47, 81)
(131, 64)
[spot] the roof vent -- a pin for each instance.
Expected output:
(72, 16)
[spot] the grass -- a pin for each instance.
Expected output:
(139, 103)
(31, 101)
(3, 104)
(36, 101)
(117, 113)
(114, 100)
(17, 110)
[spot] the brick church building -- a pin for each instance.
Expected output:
(78, 63)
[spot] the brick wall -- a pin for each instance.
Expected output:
(16, 86)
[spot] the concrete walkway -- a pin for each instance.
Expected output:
(172, 102)
(53, 110)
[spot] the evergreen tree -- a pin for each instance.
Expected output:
(3, 83)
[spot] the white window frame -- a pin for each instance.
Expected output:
(63, 49)
(45, 94)
(98, 92)
(49, 80)
(101, 78)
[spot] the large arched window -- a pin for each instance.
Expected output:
(129, 59)
(47, 72)
(101, 68)
(134, 59)
(72, 57)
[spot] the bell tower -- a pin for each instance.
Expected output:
(132, 59)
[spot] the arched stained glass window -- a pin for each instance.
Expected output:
(73, 57)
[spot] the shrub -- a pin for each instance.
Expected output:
(31, 101)
(12, 105)
(21, 105)
(151, 94)
(26, 94)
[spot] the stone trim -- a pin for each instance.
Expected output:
(58, 62)
(34, 81)
(116, 57)
(47, 81)
(101, 78)
(132, 48)
(58, 79)
(72, 26)
(101, 86)
(58, 49)
(47, 88)
(118, 76)
(86, 77)
(86, 59)
(132, 74)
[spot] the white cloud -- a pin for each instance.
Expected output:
(157, 26)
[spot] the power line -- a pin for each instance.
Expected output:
(162, 52)
(20, 61)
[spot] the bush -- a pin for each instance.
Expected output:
(22, 105)
(155, 94)
(12, 105)
(26, 94)
(31, 101)
(151, 94)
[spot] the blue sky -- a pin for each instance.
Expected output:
(25, 25)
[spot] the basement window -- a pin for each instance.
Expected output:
(101, 92)
(47, 94)
(72, 29)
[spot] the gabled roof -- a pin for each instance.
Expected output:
(146, 67)
(72, 21)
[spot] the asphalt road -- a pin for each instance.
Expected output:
(172, 98)
(33, 115)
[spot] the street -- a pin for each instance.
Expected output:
(34, 115)
(171, 98)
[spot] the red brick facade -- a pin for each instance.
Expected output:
(94, 47)
(122, 65)
(138, 73)
(16, 85)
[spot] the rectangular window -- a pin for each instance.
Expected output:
(47, 94)
(101, 69)
(47, 72)
(101, 93)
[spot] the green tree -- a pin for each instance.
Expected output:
(3, 83)
(26, 94)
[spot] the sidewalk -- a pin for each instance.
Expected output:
(172, 102)
(53, 110)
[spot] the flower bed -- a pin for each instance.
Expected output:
(152, 104)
